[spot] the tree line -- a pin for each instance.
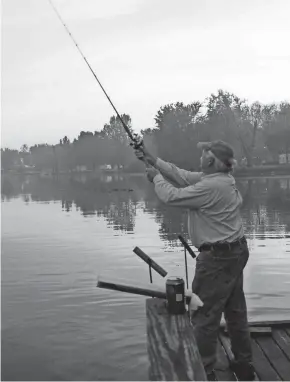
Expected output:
(258, 133)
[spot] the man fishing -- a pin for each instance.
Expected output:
(215, 228)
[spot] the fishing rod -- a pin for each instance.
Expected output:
(136, 142)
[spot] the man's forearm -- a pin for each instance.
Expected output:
(175, 175)
(193, 196)
(152, 160)
(165, 170)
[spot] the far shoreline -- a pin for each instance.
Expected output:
(264, 171)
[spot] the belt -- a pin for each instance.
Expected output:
(222, 246)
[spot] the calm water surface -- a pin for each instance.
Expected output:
(58, 236)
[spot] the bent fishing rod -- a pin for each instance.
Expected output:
(136, 142)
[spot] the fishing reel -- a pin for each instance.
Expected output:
(137, 142)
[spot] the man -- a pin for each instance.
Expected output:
(215, 228)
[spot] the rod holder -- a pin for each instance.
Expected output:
(152, 264)
(150, 274)
(186, 246)
(186, 271)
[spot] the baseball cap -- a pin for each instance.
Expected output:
(222, 150)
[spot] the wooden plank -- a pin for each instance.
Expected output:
(124, 285)
(222, 367)
(275, 356)
(172, 349)
(256, 329)
(283, 341)
(260, 330)
(225, 340)
(284, 323)
(263, 368)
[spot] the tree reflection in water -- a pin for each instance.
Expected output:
(117, 198)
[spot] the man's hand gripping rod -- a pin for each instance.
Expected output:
(137, 144)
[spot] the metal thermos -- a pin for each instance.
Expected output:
(175, 294)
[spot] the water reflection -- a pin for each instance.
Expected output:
(56, 325)
(116, 197)
(113, 197)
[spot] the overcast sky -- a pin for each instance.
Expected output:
(146, 53)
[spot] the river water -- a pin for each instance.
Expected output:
(58, 236)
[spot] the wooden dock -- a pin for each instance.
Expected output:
(172, 349)
(271, 352)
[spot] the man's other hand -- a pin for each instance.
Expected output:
(151, 173)
(143, 154)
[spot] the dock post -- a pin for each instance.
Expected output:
(171, 345)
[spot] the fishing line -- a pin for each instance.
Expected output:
(94, 74)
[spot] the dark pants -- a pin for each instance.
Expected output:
(218, 282)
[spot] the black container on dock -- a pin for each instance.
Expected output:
(175, 294)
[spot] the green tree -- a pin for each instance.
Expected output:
(115, 129)
(224, 120)
(117, 141)
(256, 131)
(241, 124)
(43, 156)
(25, 155)
(9, 158)
(24, 148)
(176, 133)
(277, 131)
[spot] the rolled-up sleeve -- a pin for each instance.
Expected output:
(193, 197)
(177, 175)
